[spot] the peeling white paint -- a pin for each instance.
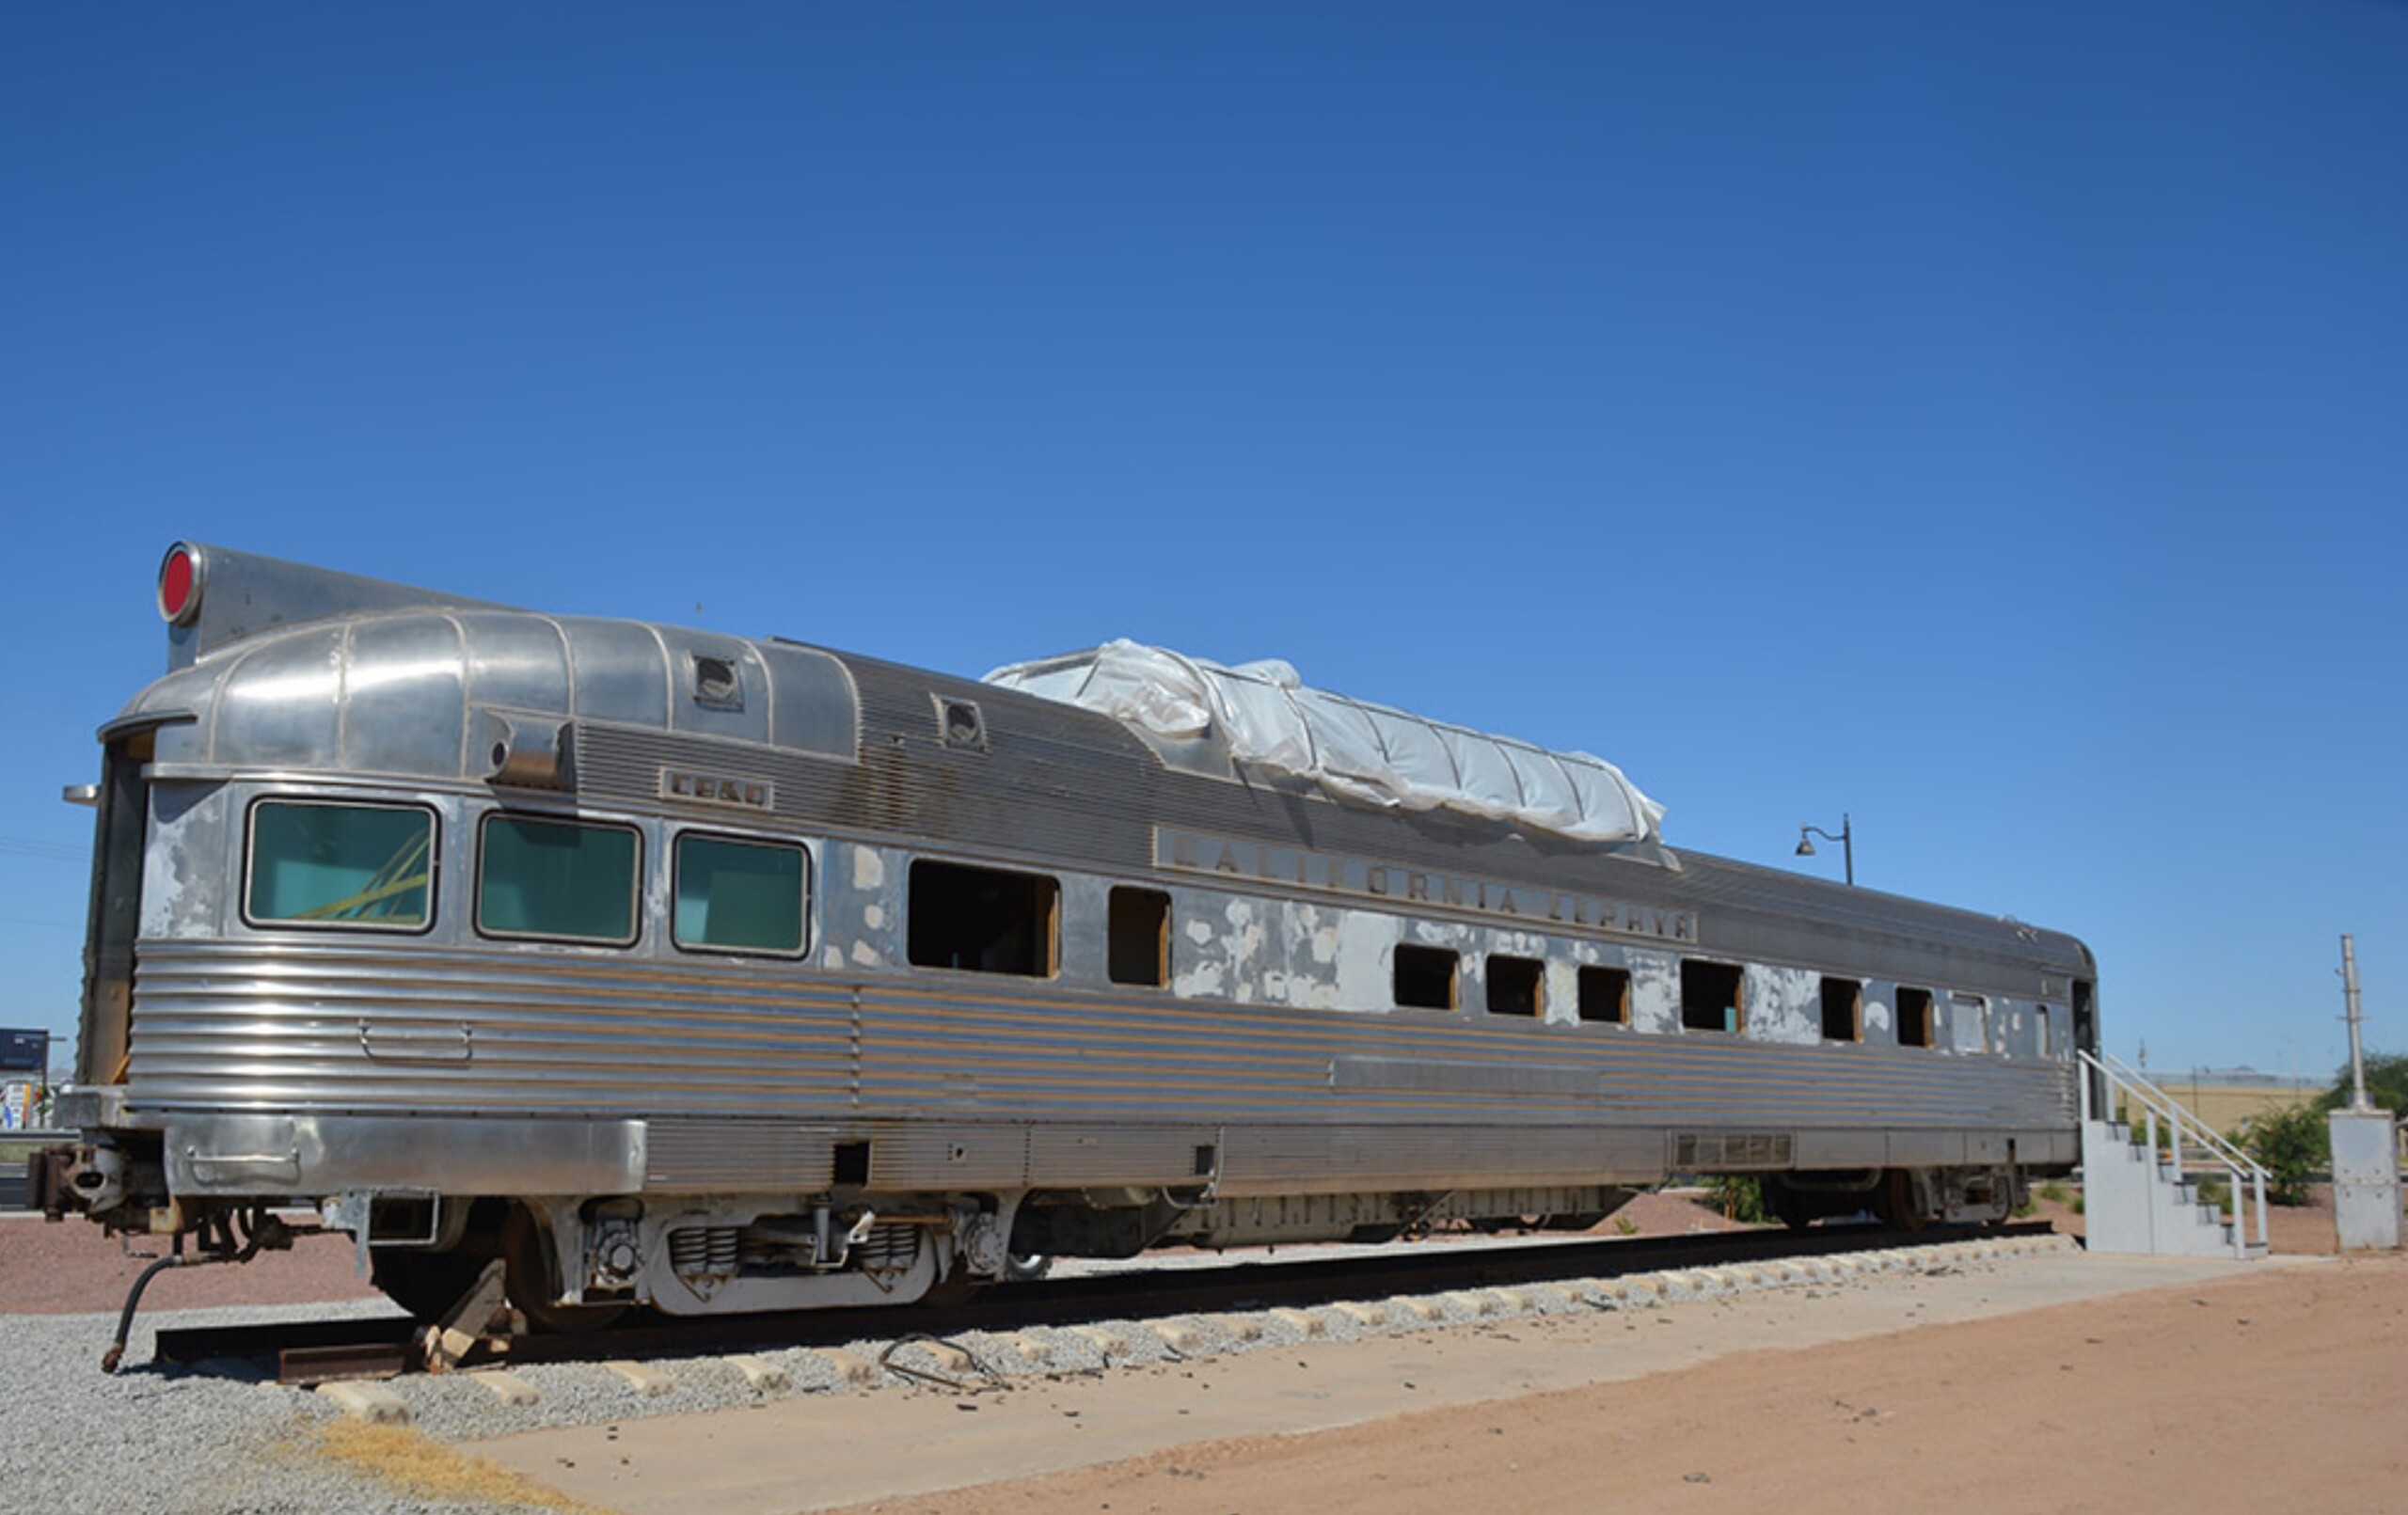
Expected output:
(1561, 1003)
(874, 916)
(869, 869)
(1363, 981)
(1877, 1017)
(1784, 1004)
(1654, 992)
(865, 955)
(1203, 981)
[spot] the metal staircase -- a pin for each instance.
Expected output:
(2137, 1198)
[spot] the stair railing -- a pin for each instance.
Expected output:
(2181, 1126)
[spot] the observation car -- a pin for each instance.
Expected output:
(711, 974)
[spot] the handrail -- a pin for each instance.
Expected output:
(2181, 1126)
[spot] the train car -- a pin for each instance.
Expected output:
(708, 974)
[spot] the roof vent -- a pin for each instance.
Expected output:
(716, 686)
(962, 725)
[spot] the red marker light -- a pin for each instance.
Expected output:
(180, 584)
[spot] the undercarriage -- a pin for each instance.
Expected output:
(569, 1262)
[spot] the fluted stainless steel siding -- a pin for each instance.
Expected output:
(951, 1071)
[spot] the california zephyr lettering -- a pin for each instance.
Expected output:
(1227, 858)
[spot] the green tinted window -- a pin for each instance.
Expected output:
(742, 896)
(557, 878)
(363, 865)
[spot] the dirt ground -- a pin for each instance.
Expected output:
(72, 1268)
(2270, 1389)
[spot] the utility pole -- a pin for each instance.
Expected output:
(2350, 1002)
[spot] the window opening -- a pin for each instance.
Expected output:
(983, 920)
(1140, 926)
(1516, 987)
(1969, 1021)
(1843, 1007)
(1425, 977)
(2042, 1016)
(318, 864)
(1710, 996)
(562, 880)
(739, 896)
(1914, 1017)
(1604, 994)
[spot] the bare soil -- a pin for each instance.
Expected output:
(72, 1268)
(2268, 1389)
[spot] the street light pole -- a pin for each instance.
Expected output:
(1846, 839)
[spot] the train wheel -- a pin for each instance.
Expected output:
(1019, 1267)
(954, 1288)
(1897, 1206)
(533, 1277)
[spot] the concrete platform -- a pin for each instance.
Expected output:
(830, 1450)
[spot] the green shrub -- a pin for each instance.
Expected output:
(2386, 1084)
(2292, 1145)
(1740, 1198)
(2054, 1191)
(2135, 1116)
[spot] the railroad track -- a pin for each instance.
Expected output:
(308, 1352)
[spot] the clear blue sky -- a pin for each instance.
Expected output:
(1991, 421)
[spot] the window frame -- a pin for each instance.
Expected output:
(250, 862)
(1587, 974)
(1050, 963)
(1521, 962)
(1163, 932)
(1454, 978)
(1929, 1019)
(1737, 1008)
(635, 881)
(676, 870)
(1980, 1005)
(1855, 1014)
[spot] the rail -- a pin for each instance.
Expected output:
(2181, 1126)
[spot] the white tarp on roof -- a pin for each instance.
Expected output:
(1361, 751)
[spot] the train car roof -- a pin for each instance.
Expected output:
(276, 665)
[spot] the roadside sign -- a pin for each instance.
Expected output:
(24, 1051)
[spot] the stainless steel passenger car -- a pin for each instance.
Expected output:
(722, 975)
